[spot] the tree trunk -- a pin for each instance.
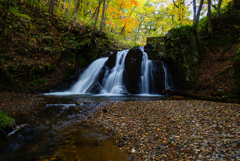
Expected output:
(97, 9)
(101, 28)
(75, 13)
(51, 7)
(194, 10)
(218, 8)
(64, 5)
(209, 17)
(69, 3)
(198, 15)
(93, 30)
(126, 22)
(139, 26)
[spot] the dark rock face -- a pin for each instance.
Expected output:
(95, 88)
(102, 74)
(111, 60)
(133, 69)
(158, 84)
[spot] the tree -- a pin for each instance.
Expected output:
(194, 10)
(51, 7)
(75, 13)
(93, 30)
(127, 21)
(103, 10)
(209, 17)
(218, 8)
(195, 24)
(69, 3)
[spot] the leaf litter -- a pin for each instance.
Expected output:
(173, 129)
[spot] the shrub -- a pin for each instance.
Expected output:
(5, 120)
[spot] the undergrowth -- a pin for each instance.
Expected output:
(6, 121)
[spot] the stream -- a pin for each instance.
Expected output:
(57, 131)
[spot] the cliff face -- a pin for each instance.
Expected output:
(207, 64)
(182, 51)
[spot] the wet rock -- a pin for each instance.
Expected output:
(95, 88)
(158, 84)
(110, 63)
(133, 64)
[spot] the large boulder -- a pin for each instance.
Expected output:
(133, 64)
(158, 85)
(110, 63)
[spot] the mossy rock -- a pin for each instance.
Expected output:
(184, 51)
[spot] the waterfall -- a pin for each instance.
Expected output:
(147, 72)
(113, 81)
(89, 76)
(167, 78)
(98, 78)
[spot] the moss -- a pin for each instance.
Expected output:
(183, 47)
(6, 121)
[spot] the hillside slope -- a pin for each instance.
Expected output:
(217, 71)
(40, 52)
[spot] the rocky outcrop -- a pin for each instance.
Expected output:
(157, 86)
(111, 60)
(182, 53)
(155, 47)
(133, 69)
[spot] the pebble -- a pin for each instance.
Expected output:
(173, 129)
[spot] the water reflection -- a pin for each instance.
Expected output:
(57, 131)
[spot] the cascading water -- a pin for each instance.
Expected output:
(146, 74)
(113, 81)
(167, 78)
(88, 77)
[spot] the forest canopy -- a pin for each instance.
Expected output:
(131, 20)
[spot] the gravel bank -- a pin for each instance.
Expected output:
(19, 103)
(173, 129)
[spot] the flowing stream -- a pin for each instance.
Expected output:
(57, 132)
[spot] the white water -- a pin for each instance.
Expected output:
(146, 75)
(167, 79)
(88, 77)
(113, 82)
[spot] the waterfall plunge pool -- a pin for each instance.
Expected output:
(57, 131)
